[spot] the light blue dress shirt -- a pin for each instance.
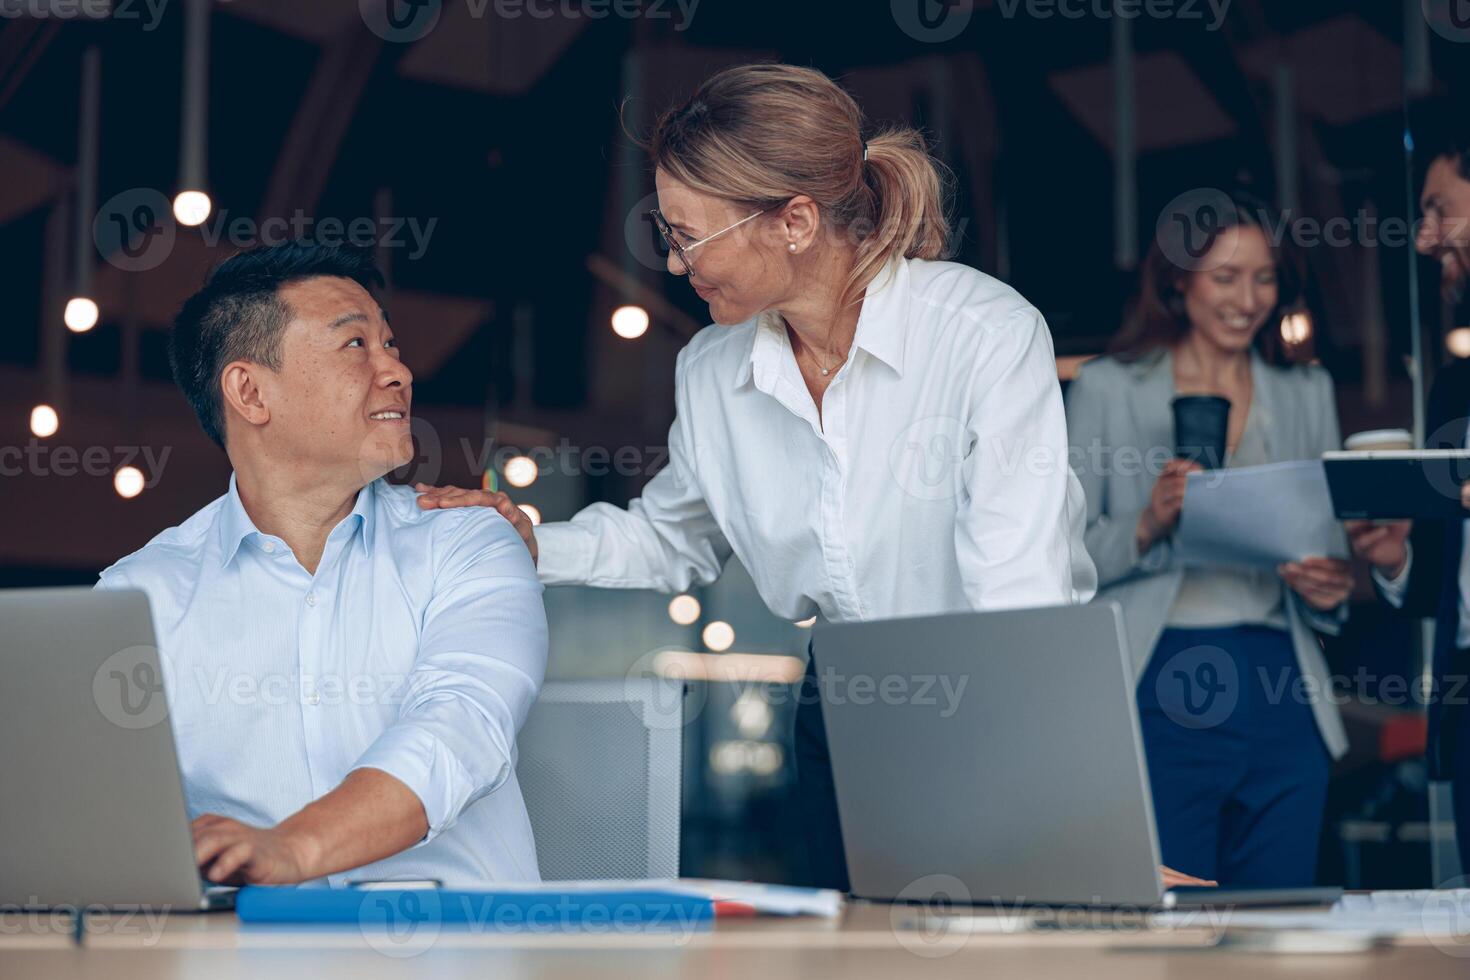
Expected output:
(417, 649)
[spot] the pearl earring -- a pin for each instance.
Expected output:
(791, 246)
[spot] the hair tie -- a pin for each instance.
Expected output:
(865, 151)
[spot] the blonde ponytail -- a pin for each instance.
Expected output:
(908, 187)
(759, 135)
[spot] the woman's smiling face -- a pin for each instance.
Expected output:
(1230, 299)
(740, 273)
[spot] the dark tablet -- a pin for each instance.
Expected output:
(1391, 484)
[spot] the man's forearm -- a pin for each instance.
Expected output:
(367, 818)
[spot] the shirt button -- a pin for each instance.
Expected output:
(314, 698)
(268, 547)
(311, 598)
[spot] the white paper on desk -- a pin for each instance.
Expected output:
(1442, 914)
(1258, 516)
(781, 900)
(766, 899)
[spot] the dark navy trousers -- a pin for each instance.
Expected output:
(1457, 730)
(1237, 765)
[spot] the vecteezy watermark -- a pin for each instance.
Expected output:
(940, 691)
(1201, 687)
(1210, 12)
(921, 919)
(932, 21)
(32, 919)
(1286, 685)
(211, 688)
(149, 12)
(36, 458)
(406, 21)
(406, 922)
(361, 232)
(674, 703)
(1445, 916)
(645, 245)
(934, 917)
(565, 459)
(401, 924)
(135, 231)
(1190, 225)
(1450, 19)
(128, 688)
(927, 458)
(1198, 688)
(400, 21)
(938, 21)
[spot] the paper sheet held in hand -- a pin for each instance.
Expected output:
(1258, 516)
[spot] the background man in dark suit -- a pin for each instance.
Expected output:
(1423, 568)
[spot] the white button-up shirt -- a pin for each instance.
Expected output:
(935, 478)
(417, 649)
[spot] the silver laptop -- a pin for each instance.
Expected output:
(91, 799)
(996, 758)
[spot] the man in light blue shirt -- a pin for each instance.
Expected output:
(346, 669)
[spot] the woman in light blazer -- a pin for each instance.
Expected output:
(1232, 683)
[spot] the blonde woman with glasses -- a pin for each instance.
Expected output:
(875, 433)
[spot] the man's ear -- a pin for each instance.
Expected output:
(242, 394)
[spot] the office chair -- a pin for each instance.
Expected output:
(601, 767)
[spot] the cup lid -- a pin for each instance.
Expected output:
(1376, 436)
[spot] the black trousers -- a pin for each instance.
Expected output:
(1457, 731)
(816, 796)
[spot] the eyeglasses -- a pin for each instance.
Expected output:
(666, 234)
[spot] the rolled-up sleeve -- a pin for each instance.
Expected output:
(1022, 511)
(480, 664)
(666, 540)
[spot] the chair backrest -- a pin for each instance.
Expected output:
(601, 768)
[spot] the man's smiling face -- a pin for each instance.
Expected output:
(1445, 233)
(342, 396)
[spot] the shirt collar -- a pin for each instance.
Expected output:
(881, 329)
(234, 524)
(883, 324)
(767, 343)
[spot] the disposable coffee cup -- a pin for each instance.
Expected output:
(1379, 439)
(1201, 426)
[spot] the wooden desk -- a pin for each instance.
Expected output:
(868, 941)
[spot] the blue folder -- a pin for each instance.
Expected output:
(510, 911)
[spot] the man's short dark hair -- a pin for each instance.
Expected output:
(1447, 138)
(239, 316)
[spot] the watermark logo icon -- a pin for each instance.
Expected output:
(931, 21)
(134, 230)
(927, 457)
(1199, 687)
(1446, 916)
(919, 916)
(1450, 19)
(1189, 226)
(403, 923)
(641, 238)
(128, 690)
(675, 701)
(400, 21)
